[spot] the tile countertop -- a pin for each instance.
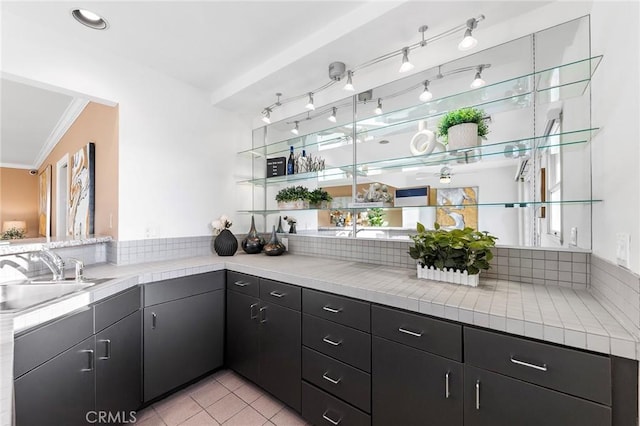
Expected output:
(556, 314)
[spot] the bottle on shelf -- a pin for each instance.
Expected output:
(291, 162)
(302, 166)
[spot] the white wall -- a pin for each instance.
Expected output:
(177, 152)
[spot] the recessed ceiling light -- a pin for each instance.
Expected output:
(90, 19)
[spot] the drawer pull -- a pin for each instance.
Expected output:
(330, 380)
(446, 385)
(330, 420)
(107, 349)
(241, 283)
(263, 315)
(526, 364)
(252, 312)
(332, 342)
(154, 320)
(276, 294)
(90, 366)
(409, 332)
(477, 394)
(332, 310)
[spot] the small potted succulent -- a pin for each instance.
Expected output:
(457, 256)
(293, 198)
(319, 199)
(462, 128)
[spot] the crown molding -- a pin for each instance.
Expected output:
(17, 166)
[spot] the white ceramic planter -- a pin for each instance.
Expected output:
(448, 275)
(293, 205)
(462, 136)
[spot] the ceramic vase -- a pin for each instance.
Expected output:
(225, 244)
(280, 230)
(253, 242)
(274, 247)
(463, 135)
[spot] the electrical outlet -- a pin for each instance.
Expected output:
(573, 238)
(285, 241)
(623, 241)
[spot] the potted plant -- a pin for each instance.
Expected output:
(292, 198)
(319, 199)
(455, 256)
(462, 128)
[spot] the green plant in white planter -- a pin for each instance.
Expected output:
(463, 127)
(319, 198)
(464, 250)
(293, 197)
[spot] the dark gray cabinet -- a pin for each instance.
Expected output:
(183, 331)
(263, 340)
(59, 392)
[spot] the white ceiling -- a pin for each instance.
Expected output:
(242, 52)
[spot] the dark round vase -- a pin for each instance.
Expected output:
(253, 242)
(274, 247)
(225, 244)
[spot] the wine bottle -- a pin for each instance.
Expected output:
(302, 168)
(291, 162)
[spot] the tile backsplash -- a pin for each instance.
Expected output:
(157, 249)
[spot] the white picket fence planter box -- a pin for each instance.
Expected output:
(448, 275)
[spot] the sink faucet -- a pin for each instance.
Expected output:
(53, 262)
(79, 268)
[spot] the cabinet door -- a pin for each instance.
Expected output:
(280, 353)
(119, 365)
(183, 339)
(243, 341)
(412, 387)
(491, 399)
(60, 391)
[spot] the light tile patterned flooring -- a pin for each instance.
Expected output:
(224, 398)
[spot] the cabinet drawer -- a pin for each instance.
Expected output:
(113, 309)
(428, 334)
(178, 288)
(286, 295)
(340, 342)
(337, 378)
(243, 283)
(320, 408)
(491, 399)
(339, 309)
(574, 372)
(38, 345)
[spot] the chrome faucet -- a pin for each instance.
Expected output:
(79, 268)
(53, 262)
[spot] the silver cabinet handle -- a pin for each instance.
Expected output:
(154, 320)
(107, 349)
(90, 367)
(263, 315)
(477, 394)
(447, 394)
(526, 364)
(276, 294)
(409, 332)
(330, 380)
(330, 420)
(252, 313)
(332, 310)
(332, 342)
(241, 283)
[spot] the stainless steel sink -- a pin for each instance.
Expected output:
(24, 294)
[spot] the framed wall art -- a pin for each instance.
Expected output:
(82, 192)
(44, 205)
(457, 208)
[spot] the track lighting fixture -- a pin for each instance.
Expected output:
(478, 81)
(332, 118)
(296, 129)
(445, 175)
(426, 94)
(266, 115)
(310, 105)
(406, 65)
(468, 41)
(378, 109)
(349, 86)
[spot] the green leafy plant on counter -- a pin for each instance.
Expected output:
(375, 216)
(318, 196)
(458, 249)
(461, 116)
(13, 234)
(292, 193)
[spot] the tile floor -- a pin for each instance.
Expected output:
(224, 398)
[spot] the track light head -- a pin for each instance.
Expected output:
(426, 94)
(332, 118)
(477, 80)
(266, 115)
(296, 129)
(468, 41)
(349, 86)
(310, 106)
(406, 65)
(378, 109)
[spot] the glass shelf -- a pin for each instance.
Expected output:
(503, 204)
(549, 85)
(517, 148)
